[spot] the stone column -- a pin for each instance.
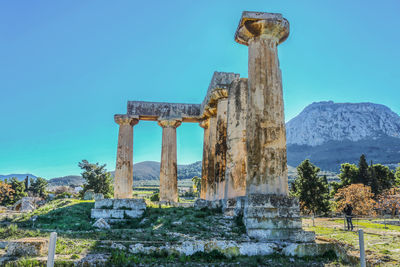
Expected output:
(236, 155)
(123, 180)
(206, 146)
(220, 148)
(210, 163)
(168, 167)
(269, 213)
(265, 126)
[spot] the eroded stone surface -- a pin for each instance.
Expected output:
(234, 248)
(123, 179)
(220, 148)
(206, 146)
(274, 218)
(156, 110)
(236, 155)
(27, 247)
(168, 166)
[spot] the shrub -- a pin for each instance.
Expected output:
(155, 197)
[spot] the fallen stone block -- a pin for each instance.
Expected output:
(102, 224)
(27, 247)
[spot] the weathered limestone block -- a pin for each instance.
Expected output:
(168, 167)
(107, 213)
(27, 247)
(233, 207)
(232, 248)
(204, 167)
(155, 110)
(104, 204)
(274, 218)
(220, 80)
(102, 224)
(131, 204)
(123, 180)
(265, 124)
(236, 156)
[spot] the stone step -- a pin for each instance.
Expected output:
(273, 223)
(289, 235)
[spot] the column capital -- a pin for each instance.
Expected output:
(124, 119)
(263, 25)
(204, 124)
(169, 123)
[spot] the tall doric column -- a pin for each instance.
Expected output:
(168, 167)
(265, 127)
(206, 146)
(123, 180)
(210, 163)
(236, 155)
(220, 147)
(269, 213)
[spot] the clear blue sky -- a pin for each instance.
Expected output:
(66, 67)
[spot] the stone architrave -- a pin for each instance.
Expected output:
(265, 125)
(123, 180)
(236, 156)
(168, 167)
(206, 146)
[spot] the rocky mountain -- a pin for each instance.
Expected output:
(331, 133)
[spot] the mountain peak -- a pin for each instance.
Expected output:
(325, 121)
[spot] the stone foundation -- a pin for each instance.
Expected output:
(270, 217)
(232, 248)
(116, 210)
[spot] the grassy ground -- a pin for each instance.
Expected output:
(70, 218)
(382, 243)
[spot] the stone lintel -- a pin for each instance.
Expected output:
(123, 119)
(218, 88)
(153, 111)
(254, 24)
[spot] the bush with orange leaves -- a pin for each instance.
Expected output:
(389, 201)
(6, 193)
(358, 196)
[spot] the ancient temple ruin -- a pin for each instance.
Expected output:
(244, 149)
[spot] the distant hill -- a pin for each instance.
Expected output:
(71, 180)
(331, 133)
(20, 177)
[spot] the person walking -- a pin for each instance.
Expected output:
(348, 212)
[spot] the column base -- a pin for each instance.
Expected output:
(269, 217)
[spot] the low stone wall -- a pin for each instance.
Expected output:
(113, 210)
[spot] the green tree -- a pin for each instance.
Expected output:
(363, 173)
(19, 189)
(312, 190)
(97, 178)
(38, 187)
(196, 185)
(381, 178)
(6, 193)
(397, 176)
